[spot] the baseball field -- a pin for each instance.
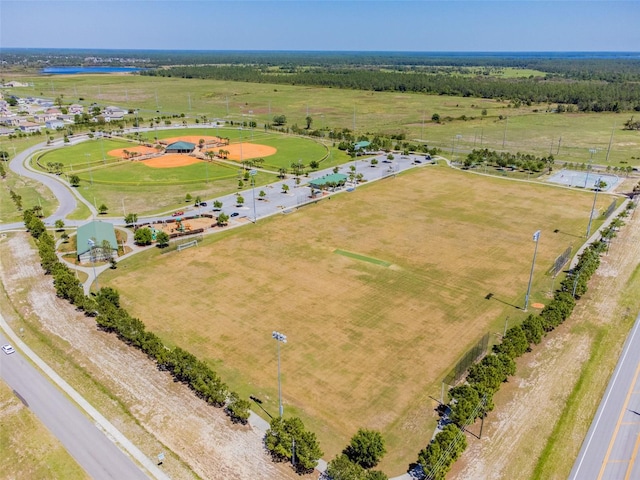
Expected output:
(371, 333)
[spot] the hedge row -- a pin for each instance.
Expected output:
(474, 398)
(111, 317)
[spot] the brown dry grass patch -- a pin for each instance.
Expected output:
(367, 344)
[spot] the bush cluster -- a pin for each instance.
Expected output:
(474, 398)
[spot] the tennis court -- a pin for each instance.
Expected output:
(574, 178)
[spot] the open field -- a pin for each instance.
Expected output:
(531, 129)
(28, 450)
(368, 343)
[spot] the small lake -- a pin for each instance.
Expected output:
(80, 70)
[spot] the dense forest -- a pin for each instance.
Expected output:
(581, 81)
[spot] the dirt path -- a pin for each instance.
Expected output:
(200, 435)
(528, 407)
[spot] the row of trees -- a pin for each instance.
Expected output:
(525, 161)
(587, 95)
(474, 398)
(111, 317)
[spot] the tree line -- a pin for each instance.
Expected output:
(586, 95)
(474, 398)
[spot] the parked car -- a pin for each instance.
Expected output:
(8, 349)
(177, 214)
(203, 204)
(234, 214)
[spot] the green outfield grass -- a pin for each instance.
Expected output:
(530, 129)
(368, 343)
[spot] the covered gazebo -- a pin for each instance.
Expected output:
(180, 147)
(332, 180)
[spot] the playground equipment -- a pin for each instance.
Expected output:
(181, 226)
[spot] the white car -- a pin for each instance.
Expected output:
(8, 349)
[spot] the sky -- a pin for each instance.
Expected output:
(334, 25)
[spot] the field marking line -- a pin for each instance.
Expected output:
(616, 430)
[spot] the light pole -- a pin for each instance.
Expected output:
(88, 167)
(453, 148)
(595, 196)
(253, 191)
(536, 237)
(279, 337)
(591, 151)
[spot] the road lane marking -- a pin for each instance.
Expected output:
(616, 430)
(604, 402)
(632, 461)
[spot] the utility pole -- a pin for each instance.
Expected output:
(610, 141)
(504, 135)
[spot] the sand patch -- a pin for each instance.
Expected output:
(170, 161)
(246, 150)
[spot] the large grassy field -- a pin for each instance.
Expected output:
(532, 129)
(369, 341)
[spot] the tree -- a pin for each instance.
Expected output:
(366, 448)
(374, 162)
(74, 180)
(162, 239)
(309, 121)
(143, 236)
(217, 205)
(64, 237)
(131, 219)
(435, 117)
(106, 251)
(262, 195)
(279, 120)
(59, 224)
(285, 188)
(238, 409)
(188, 198)
(222, 220)
(239, 200)
(197, 200)
(103, 209)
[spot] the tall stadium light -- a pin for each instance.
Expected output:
(280, 338)
(591, 151)
(536, 237)
(593, 207)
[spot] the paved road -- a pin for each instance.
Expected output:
(611, 446)
(88, 445)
